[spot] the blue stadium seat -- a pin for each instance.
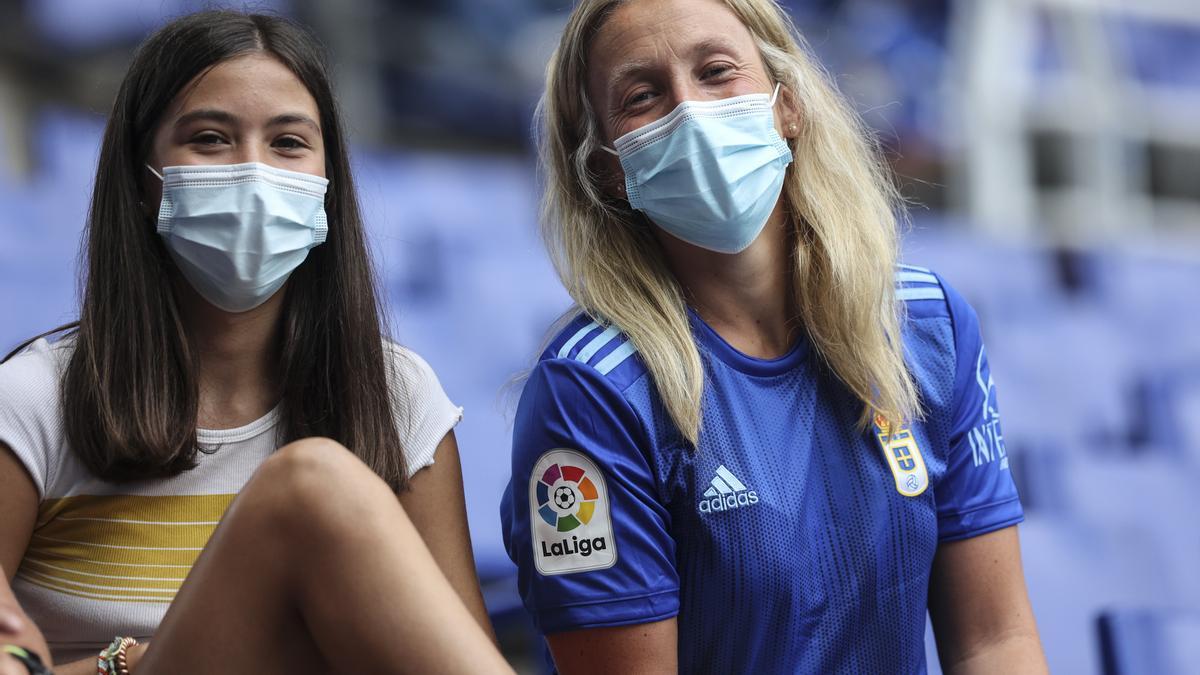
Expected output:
(468, 288)
(1074, 570)
(1149, 642)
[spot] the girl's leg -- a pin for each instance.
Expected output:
(316, 568)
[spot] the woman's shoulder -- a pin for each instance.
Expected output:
(423, 411)
(924, 292)
(34, 375)
(942, 336)
(30, 408)
(408, 370)
(593, 348)
(929, 300)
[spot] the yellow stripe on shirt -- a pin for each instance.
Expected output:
(120, 547)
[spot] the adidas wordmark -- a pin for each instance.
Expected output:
(726, 493)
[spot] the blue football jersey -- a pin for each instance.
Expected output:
(790, 540)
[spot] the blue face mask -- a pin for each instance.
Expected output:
(237, 231)
(710, 172)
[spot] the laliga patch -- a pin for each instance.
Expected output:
(568, 514)
(903, 457)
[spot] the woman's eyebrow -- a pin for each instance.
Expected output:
(710, 45)
(226, 117)
(294, 118)
(628, 70)
(631, 69)
(207, 114)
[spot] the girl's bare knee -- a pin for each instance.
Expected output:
(313, 487)
(319, 464)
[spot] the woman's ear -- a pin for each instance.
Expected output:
(607, 169)
(788, 109)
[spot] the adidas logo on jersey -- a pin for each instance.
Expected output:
(726, 493)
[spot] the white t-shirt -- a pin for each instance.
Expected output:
(106, 559)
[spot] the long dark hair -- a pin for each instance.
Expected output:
(130, 394)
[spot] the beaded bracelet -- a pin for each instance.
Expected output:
(111, 660)
(31, 661)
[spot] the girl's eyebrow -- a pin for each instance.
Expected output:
(208, 114)
(226, 117)
(294, 118)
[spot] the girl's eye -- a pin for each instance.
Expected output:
(208, 138)
(290, 143)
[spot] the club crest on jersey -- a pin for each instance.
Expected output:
(903, 457)
(568, 514)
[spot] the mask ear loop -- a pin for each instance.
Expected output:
(160, 177)
(610, 151)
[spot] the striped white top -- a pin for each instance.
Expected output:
(107, 559)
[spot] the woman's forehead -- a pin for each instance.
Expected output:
(642, 33)
(254, 85)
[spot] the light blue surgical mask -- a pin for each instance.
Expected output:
(710, 172)
(238, 231)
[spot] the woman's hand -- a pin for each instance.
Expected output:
(19, 503)
(17, 629)
(9, 665)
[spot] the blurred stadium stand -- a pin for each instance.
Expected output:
(1077, 118)
(1149, 642)
(1052, 149)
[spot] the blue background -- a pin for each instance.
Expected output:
(1094, 336)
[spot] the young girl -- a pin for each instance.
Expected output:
(210, 458)
(758, 446)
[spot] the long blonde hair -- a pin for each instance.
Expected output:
(841, 202)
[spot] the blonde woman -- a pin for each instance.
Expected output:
(758, 444)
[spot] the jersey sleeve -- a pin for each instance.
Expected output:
(582, 517)
(977, 494)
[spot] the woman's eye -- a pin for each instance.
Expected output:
(207, 139)
(638, 98)
(714, 71)
(290, 143)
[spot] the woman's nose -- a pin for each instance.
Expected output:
(248, 152)
(683, 89)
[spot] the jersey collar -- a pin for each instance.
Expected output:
(750, 365)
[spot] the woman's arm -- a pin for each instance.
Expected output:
(640, 649)
(980, 609)
(436, 507)
(19, 504)
(17, 629)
